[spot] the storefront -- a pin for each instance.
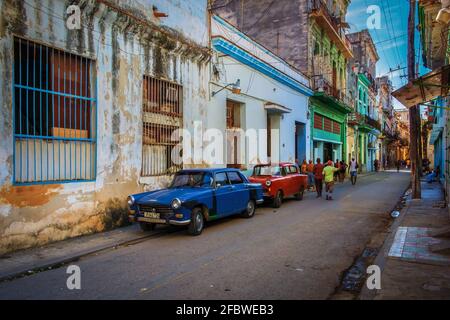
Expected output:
(329, 130)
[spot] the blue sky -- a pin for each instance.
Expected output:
(391, 40)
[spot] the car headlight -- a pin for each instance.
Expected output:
(268, 183)
(130, 200)
(176, 203)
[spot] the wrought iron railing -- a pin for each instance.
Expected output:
(320, 84)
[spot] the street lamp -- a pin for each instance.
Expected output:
(235, 88)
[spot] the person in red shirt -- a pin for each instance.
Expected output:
(318, 177)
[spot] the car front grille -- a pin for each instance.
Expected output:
(165, 210)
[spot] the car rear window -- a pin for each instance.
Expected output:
(235, 178)
(267, 171)
(292, 170)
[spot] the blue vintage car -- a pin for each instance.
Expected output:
(196, 196)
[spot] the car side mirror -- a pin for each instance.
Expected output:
(218, 185)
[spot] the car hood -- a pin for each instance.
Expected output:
(165, 196)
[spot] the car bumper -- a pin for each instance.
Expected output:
(160, 221)
(260, 201)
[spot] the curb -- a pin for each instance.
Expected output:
(380, 259)
(59, 262)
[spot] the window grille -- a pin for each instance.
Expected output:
(54, 115)
(162, 116)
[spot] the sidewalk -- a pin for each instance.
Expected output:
(29, 261)
(414, 260)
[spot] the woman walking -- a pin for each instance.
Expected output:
(318, 177)
(342, 170)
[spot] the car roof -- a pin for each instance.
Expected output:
(210, 170)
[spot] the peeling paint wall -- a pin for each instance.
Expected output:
(124, 50)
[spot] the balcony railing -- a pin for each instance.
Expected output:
(373, 123)
(320, 84)
(332, 25)
(355, 118)
(317, 6)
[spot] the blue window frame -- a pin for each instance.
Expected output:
(54, 115)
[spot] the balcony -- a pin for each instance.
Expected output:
(355, 118)
(325, 89)
(332, 26)
(373, 123)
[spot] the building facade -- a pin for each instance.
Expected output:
(389, 137)
(88, 110)
(364, 122)
(267, 119)
(434, 22)
(311, 38)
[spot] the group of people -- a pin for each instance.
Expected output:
(328, 173)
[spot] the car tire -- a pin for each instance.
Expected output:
(250, 210)
(278, 200)
(197, 222)
(299, 195)
(145, 226)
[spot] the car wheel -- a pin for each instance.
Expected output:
(250, 210)
(197, 222)
(145, 226)
(278, 200)
(299, 195)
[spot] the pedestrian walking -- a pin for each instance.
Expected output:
(318, 177)
(342, 170)
(303, 167)
(336, 174)
(310, 172)
(353, 169)
(375, 165)
(399, 163)
(329, 172)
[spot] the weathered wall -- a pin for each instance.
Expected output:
(124, 50)
(281, 26)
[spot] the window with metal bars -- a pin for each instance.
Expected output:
(162, 117)
(54, 115)
(326, 124)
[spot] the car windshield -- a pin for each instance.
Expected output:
(267, 171)
(191, 180)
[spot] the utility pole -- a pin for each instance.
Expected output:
(414, 112)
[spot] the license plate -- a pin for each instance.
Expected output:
(151, 215)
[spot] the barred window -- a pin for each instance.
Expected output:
(326, 124)
(162, 116)
(318, 121)
(54, 115)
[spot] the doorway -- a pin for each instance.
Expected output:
(300, 142)
(327, 151)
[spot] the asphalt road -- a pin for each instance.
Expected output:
(296, 252)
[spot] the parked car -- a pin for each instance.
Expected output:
(280, 181)
(196, 196)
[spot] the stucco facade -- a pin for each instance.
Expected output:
(273, 97)
(124, 42)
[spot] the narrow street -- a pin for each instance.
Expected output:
(296, 252)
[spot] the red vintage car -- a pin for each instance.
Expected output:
(280, 181)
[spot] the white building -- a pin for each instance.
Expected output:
(273, 99)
